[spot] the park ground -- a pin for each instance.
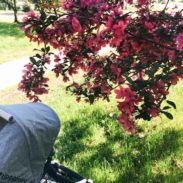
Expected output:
(92, 142)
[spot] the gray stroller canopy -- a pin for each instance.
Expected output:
(26, 141)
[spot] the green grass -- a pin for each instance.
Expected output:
(94, 144)
(13, 43)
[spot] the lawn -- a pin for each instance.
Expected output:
(94, 144)
(13, 43)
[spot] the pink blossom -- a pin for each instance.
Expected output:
(56, 58)
(144, 2)
(171, 54)
(129, 1)
(154, 111)
(76, 24)
(32, 14)
(145, 59)
(119, 92)
(180, 42)
(174, 78)
(127, 123)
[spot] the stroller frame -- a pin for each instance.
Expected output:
(53, 172)
(61, 174)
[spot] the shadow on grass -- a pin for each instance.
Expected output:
(151, 151)
(11, 29)
(120, 158)
(71, 143)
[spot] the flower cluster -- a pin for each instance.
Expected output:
(145, 58)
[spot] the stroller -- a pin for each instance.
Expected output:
(27, 134)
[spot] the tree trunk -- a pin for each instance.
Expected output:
(13, 6)
(15, 11)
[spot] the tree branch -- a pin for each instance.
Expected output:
(149, 40)
(166, 5)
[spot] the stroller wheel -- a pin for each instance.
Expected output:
(56, 173)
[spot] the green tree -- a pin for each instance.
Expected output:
(13, 5)
(41, 4)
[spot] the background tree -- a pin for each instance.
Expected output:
(147, 61)
(42, 4)
(13, 5)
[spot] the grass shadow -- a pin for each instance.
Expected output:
(161, 148)
(118, 157)
(11, 29)
(71, 141)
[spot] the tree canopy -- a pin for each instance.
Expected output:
(146, 59)
(13, 5)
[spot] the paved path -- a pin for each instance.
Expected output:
(11, 72)
(10, 16)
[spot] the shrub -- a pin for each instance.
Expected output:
(26, 8)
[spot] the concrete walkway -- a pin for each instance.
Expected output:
(10, 16)
(11, 72)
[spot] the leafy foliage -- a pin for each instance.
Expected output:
(145, 62)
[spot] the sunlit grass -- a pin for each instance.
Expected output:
(13, 43)
(94, 144)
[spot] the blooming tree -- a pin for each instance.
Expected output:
(145, 62)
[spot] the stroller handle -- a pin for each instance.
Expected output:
(6, 116)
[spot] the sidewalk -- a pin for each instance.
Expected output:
(10, 16)
(11, 72)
